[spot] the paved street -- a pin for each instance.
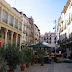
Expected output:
(55, 67)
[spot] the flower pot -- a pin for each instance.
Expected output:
(10, 71)
(32, 63)
(22, 68)
(27, 65)
(42, 63)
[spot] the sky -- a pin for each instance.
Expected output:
(44, 12)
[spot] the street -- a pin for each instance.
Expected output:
(55, 67)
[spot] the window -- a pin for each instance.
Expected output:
(20, 26)
(15, 23)
(54, 41)
(55, 38)
(4, 16)
(47, 41)
(9, 36)
(11, 20)
(50, 38)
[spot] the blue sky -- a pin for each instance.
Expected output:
(44, 12)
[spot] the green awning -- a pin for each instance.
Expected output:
(40, 45)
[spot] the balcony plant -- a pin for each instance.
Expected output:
(12, 55)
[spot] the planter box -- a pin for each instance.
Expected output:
(10, 71)
(32, 63)
(22, 68)
(42, 63)
(27, 65)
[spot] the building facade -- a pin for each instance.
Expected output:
(36, 34)
(49, 38)
(32, 30)
(10, 25)
(15, 27)
(64, 28)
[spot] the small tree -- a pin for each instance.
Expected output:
(3, 66)
(28, 54)
(22, 57)
(12, 56)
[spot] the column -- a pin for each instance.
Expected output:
(1, 9)
(6, 31)
(12, 38)
(16, 39)
(0, 27)
(20, 42)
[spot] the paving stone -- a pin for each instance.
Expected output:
(54, 67)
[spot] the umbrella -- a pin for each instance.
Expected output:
(39, 45)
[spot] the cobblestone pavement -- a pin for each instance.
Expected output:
(55, 67)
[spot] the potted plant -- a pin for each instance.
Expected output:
(12, 56)
(42, 60)
(32, 59)
(3, 65)
(41, 54)
(28, 57)
(22, 60)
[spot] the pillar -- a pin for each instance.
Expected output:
(20, 42)
(12, 38)
(6, 31)
(0, 27)
(16, 39)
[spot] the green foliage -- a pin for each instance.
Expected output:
(12, 56)
(41, 58)
(28, 54)
(22, 57)
(3, 66)
(41, 52)
(32, 58)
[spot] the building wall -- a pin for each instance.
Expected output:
(64, 27)
(49, 38)
(36, 34)
(65, 22)
(32, 30)
(10, 25)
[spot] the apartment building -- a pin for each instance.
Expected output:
(64, 27)
(15, 27)
(36, 34)
(32, 30)
(10, 25)
(49, 38)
